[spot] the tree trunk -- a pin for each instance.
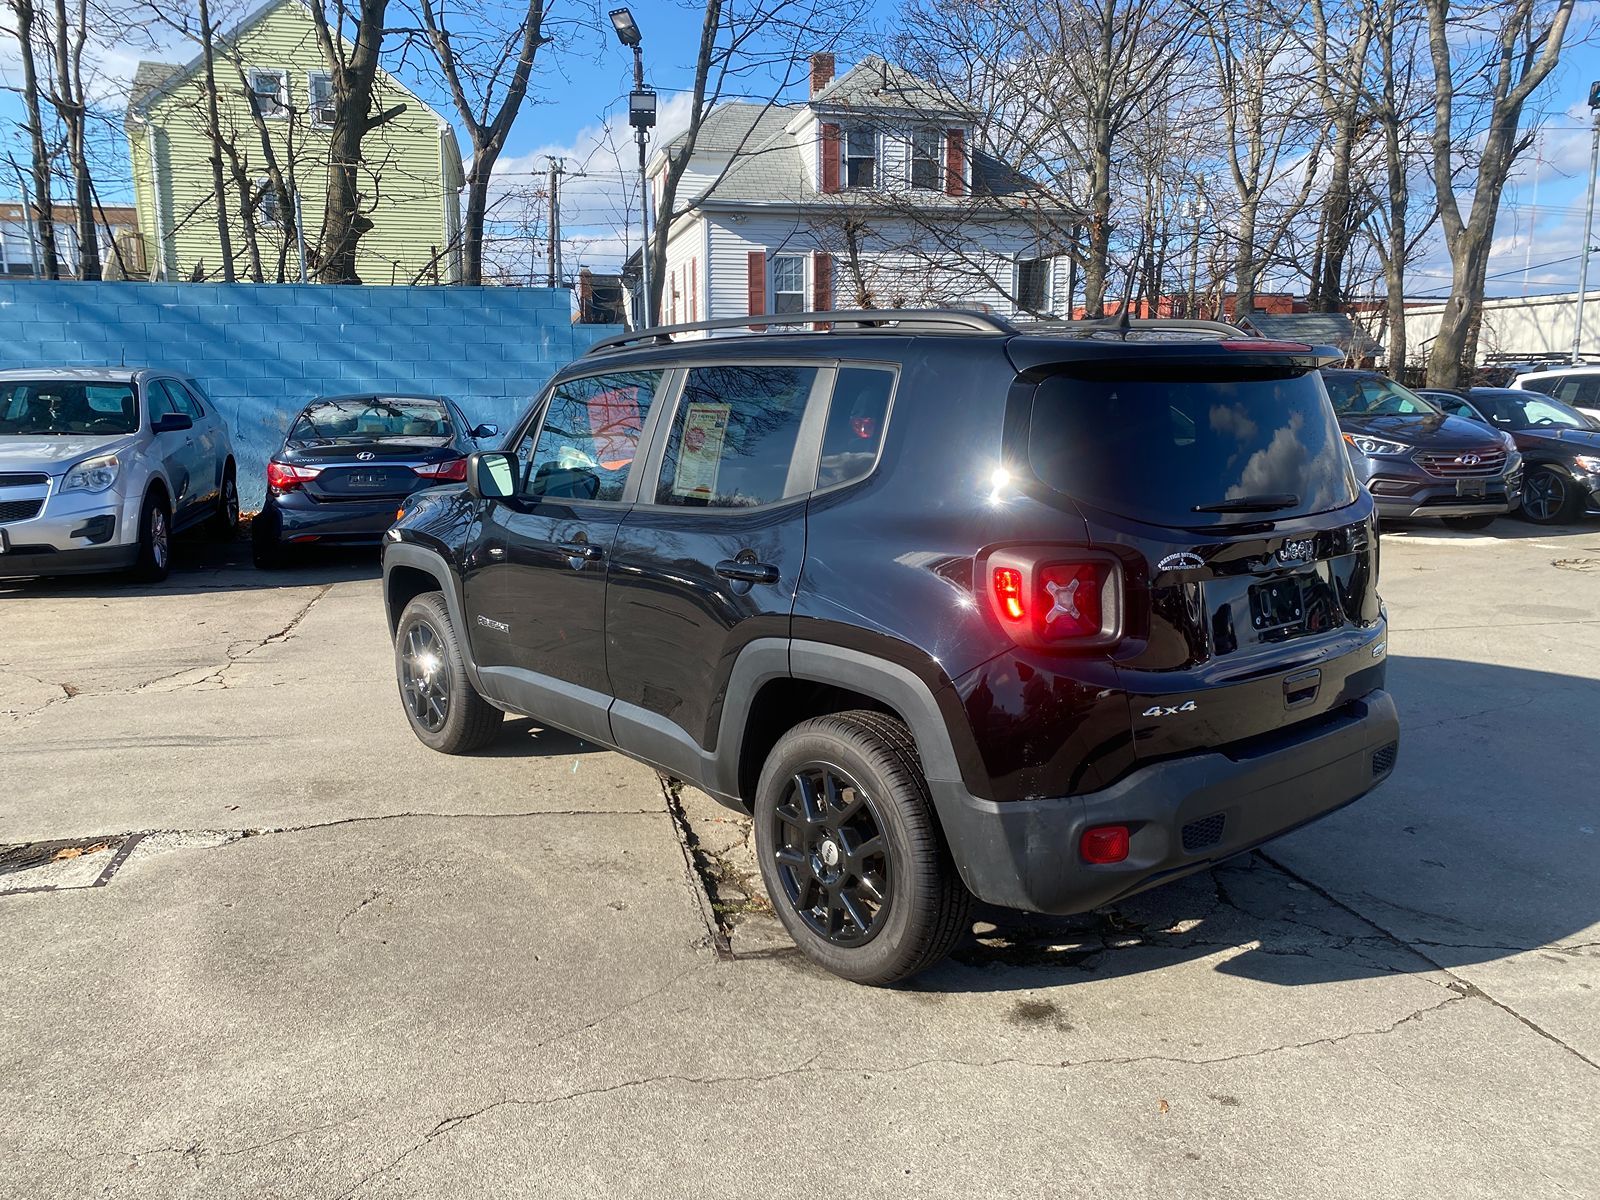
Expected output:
(69, 103)
(1247, 269)
(44, 213)
(219, 190)
(343, 222)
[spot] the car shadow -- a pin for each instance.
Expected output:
(525, 738)
(1483, 844)
(201, 564)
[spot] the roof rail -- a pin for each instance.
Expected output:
(1116, 325)
(895, 320)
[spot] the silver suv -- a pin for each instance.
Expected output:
(100, 466)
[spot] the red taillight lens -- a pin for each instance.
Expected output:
(1008, 594)
(284, 477)
(1104, 844)
(453, 471)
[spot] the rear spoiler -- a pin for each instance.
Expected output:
(1033, 352)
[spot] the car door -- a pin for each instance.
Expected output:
(210, 438)
(534, 582)
(710, 558)
(179, 450)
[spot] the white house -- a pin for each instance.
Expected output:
(874, 193)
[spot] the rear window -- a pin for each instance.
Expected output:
(1166, 449)
(371, 419)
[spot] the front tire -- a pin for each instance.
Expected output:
(851, 852)
(1549, 497)
(225, 524)
(155, 541)
(445, 711)
(1481, 521)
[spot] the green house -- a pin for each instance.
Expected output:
(410, 180)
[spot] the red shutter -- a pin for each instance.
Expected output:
(821, 284)
(955, 163)
(756, 266)
(694, 289)
(830, 158)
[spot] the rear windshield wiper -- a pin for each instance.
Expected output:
(1250, 504)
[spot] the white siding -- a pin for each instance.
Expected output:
(685, 280)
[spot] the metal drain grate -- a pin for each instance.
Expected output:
(1383, 760)
(1207, 831)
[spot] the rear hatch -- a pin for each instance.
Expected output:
(351, 470)
(1219, 478)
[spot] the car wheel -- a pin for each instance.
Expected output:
(1548, 497)
(225, 525)
(445, 711)
(1482, 521)
(155, 541)
(850, 850)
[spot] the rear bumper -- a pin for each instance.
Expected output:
(1024, 854)
(349, 523)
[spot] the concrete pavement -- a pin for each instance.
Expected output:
(337, 964)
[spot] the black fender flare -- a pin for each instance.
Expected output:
(422, 558)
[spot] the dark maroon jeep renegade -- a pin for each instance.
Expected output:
(952, 609)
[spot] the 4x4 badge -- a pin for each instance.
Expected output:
(1183, 561)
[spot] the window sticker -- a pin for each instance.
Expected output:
(705, 428)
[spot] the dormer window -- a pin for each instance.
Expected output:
(860, 156)
(927, 159)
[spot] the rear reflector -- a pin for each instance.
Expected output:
(1104, 844)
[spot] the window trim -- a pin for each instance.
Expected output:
(804, 460)
(666, 395)
(940, 137)
(284, 106)
(311, 98)
(845, 129)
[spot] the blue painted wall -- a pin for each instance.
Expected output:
(262, 350)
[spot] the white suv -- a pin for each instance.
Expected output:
(1576, 386)
(100, 466)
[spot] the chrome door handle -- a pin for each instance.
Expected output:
(747, 572)
(582, 550)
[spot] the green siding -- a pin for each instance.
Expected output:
(408, 183)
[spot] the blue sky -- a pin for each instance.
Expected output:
(578, 112)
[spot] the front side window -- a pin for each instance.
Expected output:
(180, 400)
(860, 156)
(49, 407)
(733, 438)
(588, 438)
(927, 148)
(788, 283)
(319, 86)
(270, 92)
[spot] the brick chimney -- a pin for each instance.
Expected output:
(821, 72)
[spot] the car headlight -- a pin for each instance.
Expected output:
(1588, 462)
(92, 474)
(1373, 445)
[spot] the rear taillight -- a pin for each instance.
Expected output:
(285, 477)
(452, 471)
(1055, 599)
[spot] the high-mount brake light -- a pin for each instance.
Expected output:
(451, 471)
(1262, 346)
(285, 477)
(1055, 598)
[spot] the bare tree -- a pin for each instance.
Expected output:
(1491, 58)
(27, 16)
(68, 36)
(1340, 65)
(208, 37)
(486, 71)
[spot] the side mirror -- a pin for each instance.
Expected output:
(485, 431)
(491, 475)
(172, 423)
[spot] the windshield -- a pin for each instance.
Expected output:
(1373, 396)
(1186, 449)
(371, 419)
(1528, 410)
(55, 407)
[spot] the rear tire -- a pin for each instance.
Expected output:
(225, 524)
(1482, 521)
(1549, 497)
(857, 842)
(155, 540)
(445, 711)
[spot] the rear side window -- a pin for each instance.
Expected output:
(733, 437)
(1165, 449)
(854, 431)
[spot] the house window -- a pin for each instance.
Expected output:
(319, 86)
(270, 91)
(788, 283)
(1033, 284)
(927, 154)
(860, 156)
(267, 214)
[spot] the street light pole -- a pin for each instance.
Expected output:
(642, 116)
(1588, 221)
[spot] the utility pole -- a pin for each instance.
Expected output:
(1588, 221)
(553, 266)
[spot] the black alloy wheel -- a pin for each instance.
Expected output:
(1547, 497)
(831, 855)
(425, 677)
(445, 711)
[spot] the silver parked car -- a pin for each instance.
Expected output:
(100, 466)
